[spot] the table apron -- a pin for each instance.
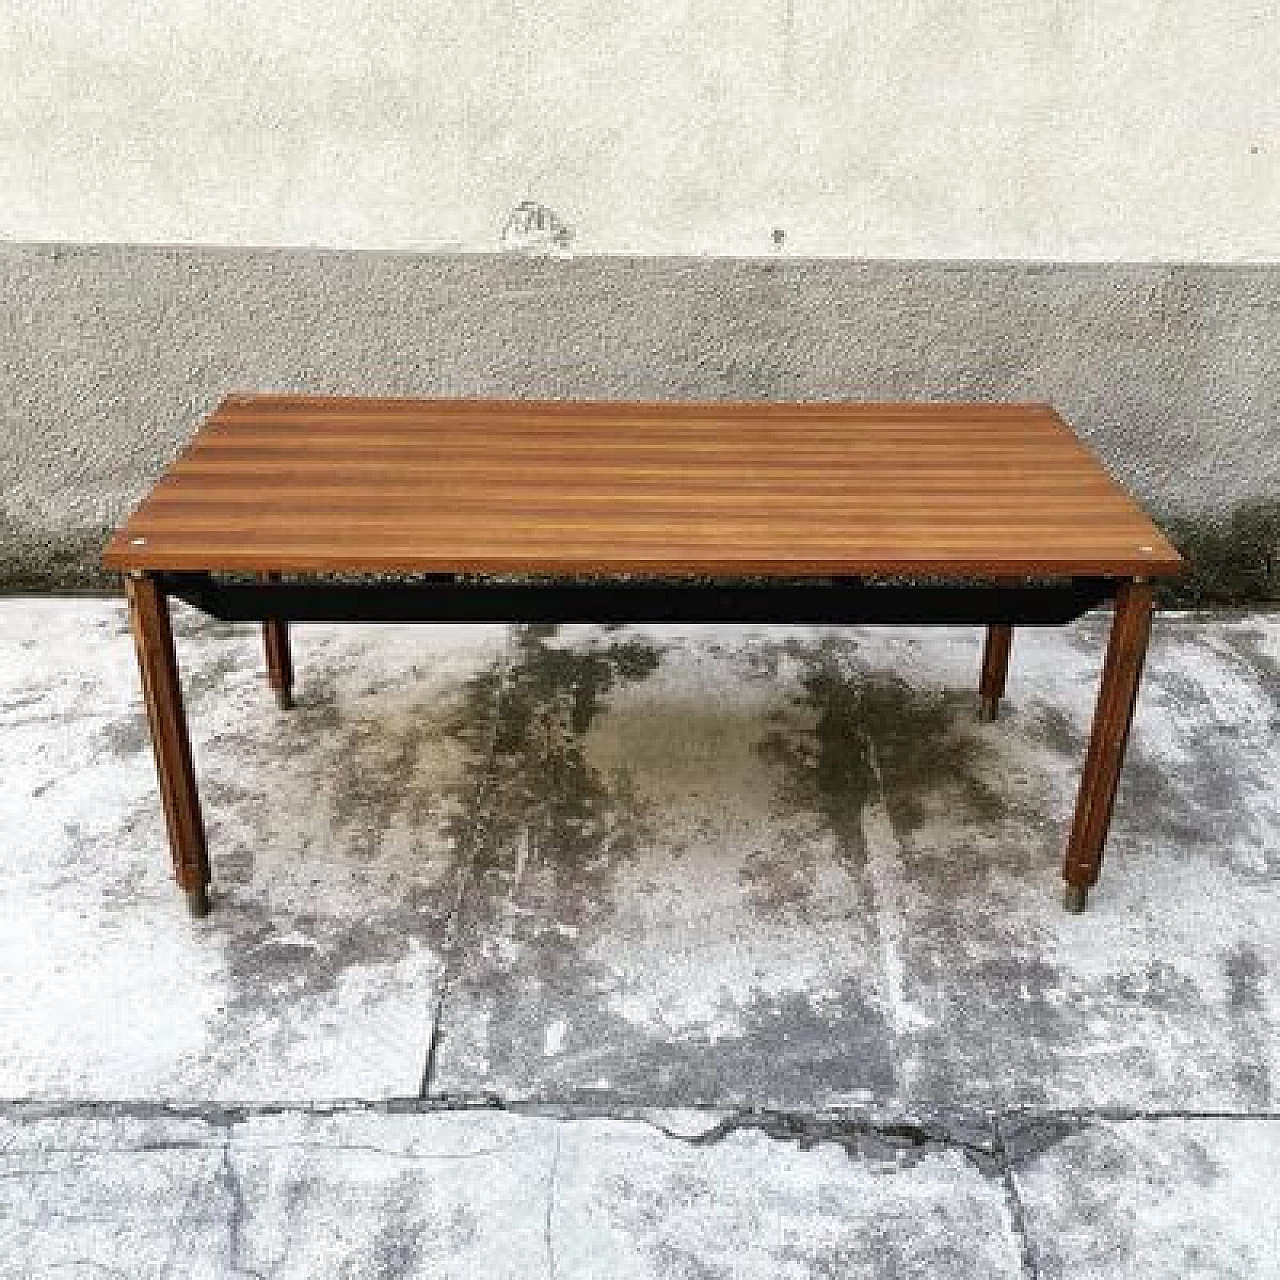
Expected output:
(448, 599)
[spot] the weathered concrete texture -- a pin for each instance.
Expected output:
(113, 354)
(315, 976)
(479, 1194)
(777, 881)
(788, 868)
(1147, 1199)
(1231, 559)
(974, 128)
(767, 867)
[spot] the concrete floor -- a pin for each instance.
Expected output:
(642, 952)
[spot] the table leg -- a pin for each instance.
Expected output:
(1121, 673)
(995, 667)
(275, 640)
(162, 692)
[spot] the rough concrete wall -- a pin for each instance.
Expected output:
(114, 353)
(1129, 130)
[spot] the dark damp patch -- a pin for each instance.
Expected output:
(541, 672)
(1057, 730)
(368, 767)
(1232, 559)
(315, 711)
(191, 623)
(871, 733)
(126, 735)
(400, 1245)
(1005, 1021)
(38, 559)
(1198, 1164)
(472, 722)
(129, 734)
(927, 739)
(1245, 973)
(1093, 1171)
(827, 768)
(1246, 647)
(1025, 1137)
(201, 680)
(779, 880)
(554, 811)
(1207, 807)
(794, 1049)
(1246, 976)
(375, 777)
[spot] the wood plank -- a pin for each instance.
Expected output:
(636, 502)
(338, 454)
(261, 483)
(375, 472)
(293, 483)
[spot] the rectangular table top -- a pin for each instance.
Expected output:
(297, 483)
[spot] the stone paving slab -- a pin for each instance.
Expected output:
(333, 831)
(788, 867)
(764, 866)
(476, 1193)
(1149, 1199)
(646, 920)
(744, 868)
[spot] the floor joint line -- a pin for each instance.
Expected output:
(483, 794)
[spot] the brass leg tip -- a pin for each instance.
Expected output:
(284, 699)
(1074, 898)
(988, 709)
(198, 901)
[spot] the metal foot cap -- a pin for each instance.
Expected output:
(198, 901)
(988, 709)
(284, 698)
(1074, 898)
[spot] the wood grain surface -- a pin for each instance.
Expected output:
(318, 484)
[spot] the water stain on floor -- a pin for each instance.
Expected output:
(548, 887)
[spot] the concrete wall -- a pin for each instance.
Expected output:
(114, 353)
(1051, 129)
(589, 198)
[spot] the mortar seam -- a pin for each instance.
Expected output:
(484, 793)
(1019, 1227)
(732, 1116)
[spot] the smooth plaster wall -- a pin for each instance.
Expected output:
(114, 353)
(1045, 129)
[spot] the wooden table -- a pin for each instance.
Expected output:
(987, 514)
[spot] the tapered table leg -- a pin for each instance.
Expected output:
(995, 668)
(1121, 674)
(275, 640)
(162, 692)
